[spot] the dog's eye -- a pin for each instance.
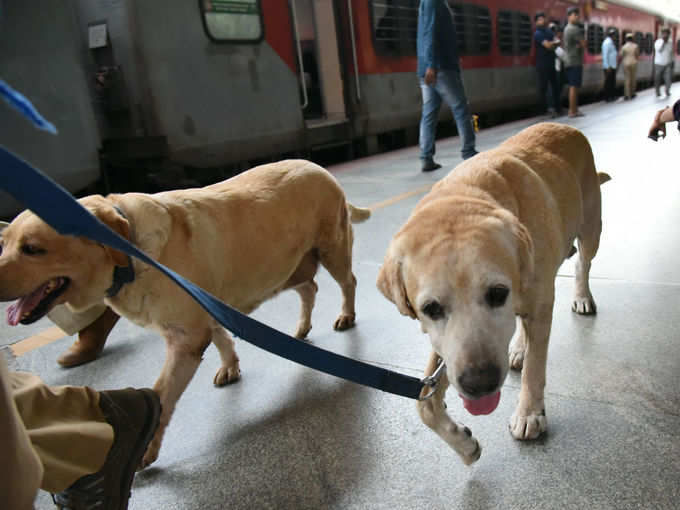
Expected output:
(433, 310)
(31, 249)
(496, 295)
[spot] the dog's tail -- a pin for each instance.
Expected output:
(358, 214)
(603, 177)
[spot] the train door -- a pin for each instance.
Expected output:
(316, 39)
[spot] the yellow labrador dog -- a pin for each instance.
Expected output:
(483, 247)
(243, 240)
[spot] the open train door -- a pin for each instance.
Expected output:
(322, 89)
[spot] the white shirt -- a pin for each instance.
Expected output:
(663, 57)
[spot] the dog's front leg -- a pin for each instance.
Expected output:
(528, 420)
(184, 353)
(433, 414)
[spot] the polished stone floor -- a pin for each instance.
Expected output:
(286, 437)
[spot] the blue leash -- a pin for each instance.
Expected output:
(59, 209)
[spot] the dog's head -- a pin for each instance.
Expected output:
(41, 268)
(461, 268)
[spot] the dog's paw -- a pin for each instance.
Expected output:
(302, 331)
(584, 305)
(472, 450)
(150, 455)
(528, 425)
(343, 322)
(227, 375)
(516, 357)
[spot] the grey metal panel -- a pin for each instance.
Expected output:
(42, 55)
(389, 101)
(214, 101)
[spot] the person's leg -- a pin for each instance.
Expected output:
(542, 90)
(633, 80)
(21, 470)
(450, 85)
(556, 90)
(428, 122)
(89, 443)
(658, 71)
(66, 427)
(627, 89)
(667, 79)
(573, 100)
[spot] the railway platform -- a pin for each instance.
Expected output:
(286, 437)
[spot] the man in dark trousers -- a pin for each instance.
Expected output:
(546, 42)
(439, 73)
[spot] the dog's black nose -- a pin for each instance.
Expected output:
(478, 381)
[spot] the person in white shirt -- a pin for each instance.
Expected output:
(609, 63)
(663, 59)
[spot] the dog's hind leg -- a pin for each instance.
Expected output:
(588, 243)
(336, 257)
(518, 347)
(307, 293)
(184, 353)
(302, 281)
(433, 414)
(229, 372)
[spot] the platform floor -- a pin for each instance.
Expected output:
(287, 437)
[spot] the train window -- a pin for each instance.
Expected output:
(615, 36)
(395, 26)
(649, 43)
(237, 21)
(677, 50)
(473, 28)
(514, 32)
(594, 38)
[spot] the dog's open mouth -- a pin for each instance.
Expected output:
(30, 308)
(483, 405)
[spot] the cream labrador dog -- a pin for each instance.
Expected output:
(243, 240)
(482, 248)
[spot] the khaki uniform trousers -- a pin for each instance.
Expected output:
(629, 76)
(49, 436)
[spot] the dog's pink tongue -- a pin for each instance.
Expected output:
(22, 305)
(483, 405)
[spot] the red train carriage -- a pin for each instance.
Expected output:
(216, 83)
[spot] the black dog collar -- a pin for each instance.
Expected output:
(121, 274)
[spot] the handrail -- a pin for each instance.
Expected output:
(354, 49)
(299, 55)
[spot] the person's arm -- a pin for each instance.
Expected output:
(668, 114)
(429, 24)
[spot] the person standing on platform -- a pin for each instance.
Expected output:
(629, 58)
(574, 46)
(609, 57)
(440, 78)
(545, 42)
(663, 60)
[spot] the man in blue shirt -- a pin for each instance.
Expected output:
(545, 65)
(609, 56)
(439, 73)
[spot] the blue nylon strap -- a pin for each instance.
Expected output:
(59, 209)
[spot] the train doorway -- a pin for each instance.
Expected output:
(323, 101)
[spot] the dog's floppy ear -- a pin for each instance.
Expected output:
(391, 284)
(108, 214)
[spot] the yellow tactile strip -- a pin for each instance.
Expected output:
(33, 342)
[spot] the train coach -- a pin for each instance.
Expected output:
(216, 84)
